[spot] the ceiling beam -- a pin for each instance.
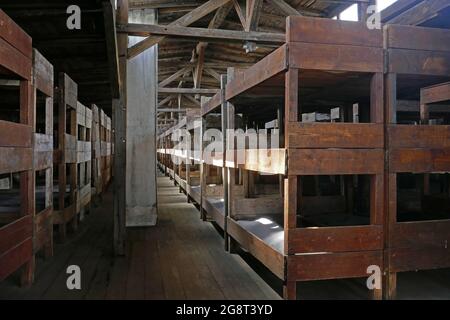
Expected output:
(185, 20)
(284, 8)
(216, 35)
(173, 77)
(239, 12)
(111, 48)
(188, 91)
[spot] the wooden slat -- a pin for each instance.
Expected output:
(420, 234)
(335, 135)
(438, 93)
(332, 265)
(42, 74)
(336, 239)
(14, 60)
(15, 135)
(15, 159)
(266, 68)
(70, 91)
(14, 35)
(15, 258)
(416, 62)
(419, 160)
(412, 259)
(262, 205)
(268, 256)
(328, 31)
(15, 233)
(417, 38)
(315, 56)
(426, 136)
(335, 162)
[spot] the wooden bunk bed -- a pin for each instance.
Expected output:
(84, 158)
(106, 149)
(16, 148)
(43, 153)
(418, 98)
(318, 229)
(96, 155)
(65, 156)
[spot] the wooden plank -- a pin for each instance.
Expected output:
(416, 160)
(256, 206)
(15, 233)
(15, 159)
(315, 56)
(187, 91)
(434, 94)
(15, 134)
(15, 258)
(435, 233)
(417, 38)
(336, 239)
(329, 31)
(418, 258)
(426, 136)
(70, 91)
(285, 8)
(268, 256)
(271, 65)
(335, 135)
(253, 13)
(421, 12)
(14, 35)
(211, 104)
(335, 162)
(14, 61)
(325, 266)
(416, 62)
(42, 74)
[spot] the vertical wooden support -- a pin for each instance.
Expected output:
(424, 120)
(290, 182)
(224, 124)
(390, 278)
(203, 167)
(120, 120)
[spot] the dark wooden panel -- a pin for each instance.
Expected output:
(268, 256)
(411, 259)
(417, 38)
(426, 136)
(14, 61)
(414, 62)
(335, 239)
(419, 160)
(15, 258)
(332, 265)
(313, 56)
(15, 159)
(42, 74)
(14, 35)
(328, 31)
(420, 234)
(335, 135)
(15, 135)
(335, 162)
(14, 233)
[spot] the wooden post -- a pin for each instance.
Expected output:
(223, 82)
(120, 120)
(290, 182)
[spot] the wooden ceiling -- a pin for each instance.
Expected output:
(82, 54)
(191, 63)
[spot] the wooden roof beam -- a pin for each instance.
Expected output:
(185, 20)
(253, 13)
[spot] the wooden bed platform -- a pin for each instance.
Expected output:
(16, 147)
(418, 64)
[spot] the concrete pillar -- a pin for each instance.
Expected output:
(142, 79)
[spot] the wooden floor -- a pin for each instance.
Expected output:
(182, 258)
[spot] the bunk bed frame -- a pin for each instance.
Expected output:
(96, 172)
(313, 45)
(106, 149)
(43, 154)
(84, 158)
(16, 231)
(65, 157)
(416, 57)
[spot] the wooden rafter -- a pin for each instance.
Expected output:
(284, 8)
(239, 12)
(215, 23)
(185, 20)
(174, 77)
(253, 13)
